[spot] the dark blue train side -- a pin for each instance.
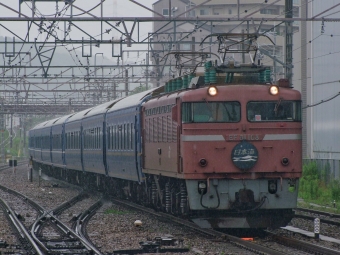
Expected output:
(103, 141)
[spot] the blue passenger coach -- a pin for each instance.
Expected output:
(73, 141)
(123, 125)
(58, 141)
(104, 140)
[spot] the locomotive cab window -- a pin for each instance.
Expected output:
(274, 111)
(203, 112)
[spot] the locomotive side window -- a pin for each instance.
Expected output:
(203, 112)
(274, 111)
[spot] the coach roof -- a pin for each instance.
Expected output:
(133, 100)
(78, 115)
(102, 108)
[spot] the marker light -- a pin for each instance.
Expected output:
(274, 90)
(203, 162)
(212, 91)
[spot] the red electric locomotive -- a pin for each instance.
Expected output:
(228, 155)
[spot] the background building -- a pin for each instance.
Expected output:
(323, 87)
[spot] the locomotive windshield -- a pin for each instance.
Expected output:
(201, 112)
(274, 111)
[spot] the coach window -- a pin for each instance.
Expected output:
(203, 112)
(117, 137)
(121, 131)
(92, 138)
(274, 111)
(128, 136)
(124, 137)
(77, 140)
(154, 129)
(114, 138)
(132, 136)
(97, 138)
(95, 146)
(119, 145)
(85, 139)
(108, 137)
(95, 134)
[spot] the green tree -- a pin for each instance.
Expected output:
(138, 90)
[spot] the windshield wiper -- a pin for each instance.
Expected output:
(277, 105)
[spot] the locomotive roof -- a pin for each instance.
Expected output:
(133, 100)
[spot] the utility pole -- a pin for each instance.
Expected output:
(11, 133)
(126, 82)
(289, 40)
(24, 131)
(147, 71)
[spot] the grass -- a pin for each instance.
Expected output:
(317, 187)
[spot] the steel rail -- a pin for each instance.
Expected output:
(22, 231)
(301, 245)
(83, 220)
(332, 215)
(62, 227)
(209, 232)
(312, 218)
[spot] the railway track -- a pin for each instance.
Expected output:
(77, 218)
(44, 233)
(302, 245)
(27, 244)
(325, 217)
(236, 244)
(291, 242)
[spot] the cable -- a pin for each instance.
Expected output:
(322, 101)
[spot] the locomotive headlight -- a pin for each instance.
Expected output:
(212, 91)
(274, 90)
(272, 186)
(202, 187)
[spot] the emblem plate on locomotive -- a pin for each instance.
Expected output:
(244, 155)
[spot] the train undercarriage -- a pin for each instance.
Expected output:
(170, 195)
